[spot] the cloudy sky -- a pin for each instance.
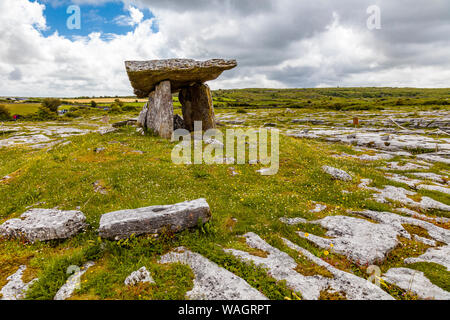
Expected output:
(278, 43)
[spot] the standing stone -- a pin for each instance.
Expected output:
(197, 105)
(142, 120)
(160, 110)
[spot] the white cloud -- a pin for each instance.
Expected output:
(278, 43)
(136, 16)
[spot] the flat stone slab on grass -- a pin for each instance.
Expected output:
(211, 281)
(44, 225)
(416, 282)
(15, 289)
(153, 220)
(145, 75)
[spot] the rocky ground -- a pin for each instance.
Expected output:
(356, 212)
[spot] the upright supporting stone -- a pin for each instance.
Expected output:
(160, 110)
(142, 120)
(197, 105)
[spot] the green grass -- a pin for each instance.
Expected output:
(64, 177)
(22, 108)
(336, 99)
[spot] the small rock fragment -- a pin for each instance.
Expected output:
(140, 276)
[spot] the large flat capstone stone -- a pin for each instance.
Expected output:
(43, 225)
(146, 75)
(153, 220)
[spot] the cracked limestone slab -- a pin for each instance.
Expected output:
(293, 221)
(370, 138)
(406, 167)
(418, 184)
(360, 240)
(281, 266)
(354, 287)
(368, 157)
(403, 196)
(19, 140)
(73, 283)
(211, 281)
(433, 177)
(416, 282)
(417, 215)
(16, 289)
(434, 188)
(434, 158)
(439, 255)
(396, 221)
(428, 242)
(412, 183)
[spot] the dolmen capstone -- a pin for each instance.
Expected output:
(157, 80)
(44, 225)
(154, 220)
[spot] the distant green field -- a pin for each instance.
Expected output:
(22, 108)
(338, 99)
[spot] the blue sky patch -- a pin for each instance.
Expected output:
(109, 19)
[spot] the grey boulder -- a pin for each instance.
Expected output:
(337, 174)
(154, 220)
(43, 225)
